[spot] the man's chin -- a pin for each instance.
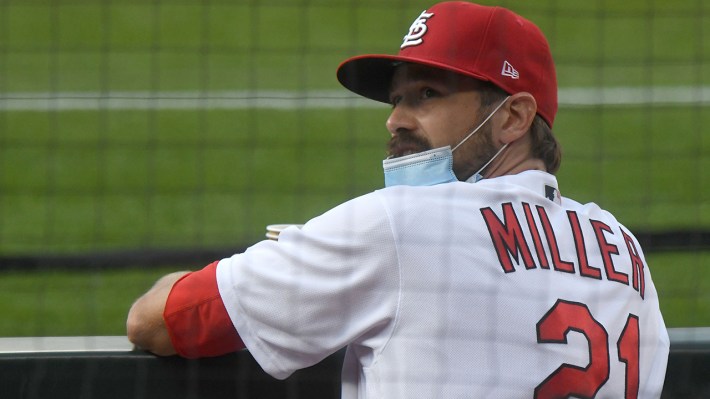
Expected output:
(403, 152)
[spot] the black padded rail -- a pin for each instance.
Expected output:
(136, 374)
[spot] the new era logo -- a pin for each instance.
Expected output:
(509, 71)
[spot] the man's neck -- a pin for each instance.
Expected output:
(516, 158)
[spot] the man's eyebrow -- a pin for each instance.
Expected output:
(408, 82)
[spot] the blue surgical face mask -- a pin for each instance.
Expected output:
(432, 167)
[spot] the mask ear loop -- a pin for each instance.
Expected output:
(491, 160)
(481, 125)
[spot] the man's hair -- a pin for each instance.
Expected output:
(544, 143)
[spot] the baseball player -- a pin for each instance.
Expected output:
(469, 275)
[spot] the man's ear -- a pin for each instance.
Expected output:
(521, 109)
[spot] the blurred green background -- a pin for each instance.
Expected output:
(82, 172)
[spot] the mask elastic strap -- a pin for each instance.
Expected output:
(491, 160)
(482, 123)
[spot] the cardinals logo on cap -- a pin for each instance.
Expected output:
(417, 30)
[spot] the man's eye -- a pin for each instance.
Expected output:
(428, 93)
(395, 100)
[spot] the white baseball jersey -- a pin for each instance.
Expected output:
(497, 289)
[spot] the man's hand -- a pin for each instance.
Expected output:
(145, 325)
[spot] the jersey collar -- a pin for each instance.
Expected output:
(537, 181)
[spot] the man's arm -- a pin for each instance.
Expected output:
(145, 325)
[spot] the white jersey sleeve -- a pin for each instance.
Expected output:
(316, 290)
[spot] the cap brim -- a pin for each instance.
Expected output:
(371, 75)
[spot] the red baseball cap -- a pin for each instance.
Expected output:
(488, 43)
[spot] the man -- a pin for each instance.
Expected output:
(469, 275)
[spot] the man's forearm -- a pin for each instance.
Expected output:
(145, 325)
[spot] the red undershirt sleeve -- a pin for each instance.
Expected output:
(196, 319)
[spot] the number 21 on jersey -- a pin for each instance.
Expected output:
(585, 382)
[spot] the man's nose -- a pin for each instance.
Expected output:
(401, 119)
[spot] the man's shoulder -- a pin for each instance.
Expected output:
(591, 209)
(364, 210)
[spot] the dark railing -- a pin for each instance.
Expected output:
(108, 367)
